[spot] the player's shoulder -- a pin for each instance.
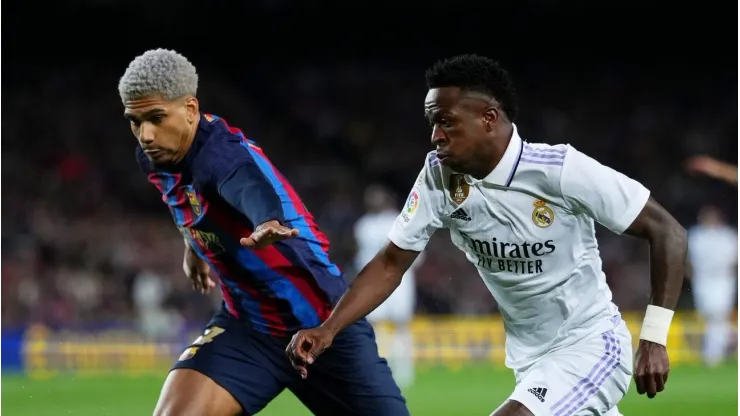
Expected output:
(217, 140)
(540, 165)
(543, 156)
(220, 148)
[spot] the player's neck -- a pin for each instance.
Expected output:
(498, 148)
(187, 143)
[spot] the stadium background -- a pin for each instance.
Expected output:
(333, 93)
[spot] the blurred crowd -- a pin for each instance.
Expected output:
(86, 239)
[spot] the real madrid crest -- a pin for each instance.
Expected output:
(459, 189)
(542, 215)
(194, 203)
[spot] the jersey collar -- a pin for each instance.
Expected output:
(503, 173)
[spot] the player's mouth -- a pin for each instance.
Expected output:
(153, 152)
(442, 156)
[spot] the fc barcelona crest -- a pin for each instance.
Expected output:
(194, 203)
(459, 189)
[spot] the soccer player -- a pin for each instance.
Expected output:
(713, 256)
(528, 228)
(243, 221)
(371, 234)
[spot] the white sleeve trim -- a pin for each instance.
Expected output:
(624, 222)
(398, 240)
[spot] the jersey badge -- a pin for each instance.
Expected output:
(459, 189)
(412, 204)
(194, 203)
(542, 215)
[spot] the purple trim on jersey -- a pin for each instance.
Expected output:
(432, 159)
(542, 162)
(529, 153)
(531, 149)
(551, 157)
(589, 385)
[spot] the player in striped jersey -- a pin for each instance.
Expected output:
(243, 221)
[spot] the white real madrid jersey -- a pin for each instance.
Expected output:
(528, 227)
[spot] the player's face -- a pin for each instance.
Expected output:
(461, 127)
(164, 128)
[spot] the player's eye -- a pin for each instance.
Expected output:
(135, 123)
(445, 123)
(157, 119)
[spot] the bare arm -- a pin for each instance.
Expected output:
(375, 283)
(668, 248)
(713, 168)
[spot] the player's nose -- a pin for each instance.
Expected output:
(438, 136)
(146, 134)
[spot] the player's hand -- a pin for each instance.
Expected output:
(651, 368)
(196, 269)
(306, 346)
(266, 234)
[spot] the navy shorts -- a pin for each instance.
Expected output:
(350, 378)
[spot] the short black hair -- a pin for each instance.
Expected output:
(476, 73)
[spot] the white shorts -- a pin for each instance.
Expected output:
(399, 307)
(587, 378)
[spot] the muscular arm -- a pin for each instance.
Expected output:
(668, 248)
(375, 283)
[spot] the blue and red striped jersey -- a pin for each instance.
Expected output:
(222, 189)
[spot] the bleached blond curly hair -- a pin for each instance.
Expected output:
(158, 72)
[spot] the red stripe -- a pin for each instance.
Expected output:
(274, 259)
(229, 268)
(297, 203)
(226, 293)
(187, 211)
(269, 307)
(232, 130)
(157, 180)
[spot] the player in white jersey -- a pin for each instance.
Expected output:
(713, 256)
(524, 215)
(371, 234)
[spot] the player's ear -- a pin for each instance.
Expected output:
(193, 109)
(490, 116)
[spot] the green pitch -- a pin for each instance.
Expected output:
(691, 390)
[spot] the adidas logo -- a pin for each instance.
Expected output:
(460, 214)
(539, 392)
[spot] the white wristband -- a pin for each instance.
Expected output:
(656, 324)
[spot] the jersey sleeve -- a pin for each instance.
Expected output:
(420, 215)
(609, 197)
(245, 179)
